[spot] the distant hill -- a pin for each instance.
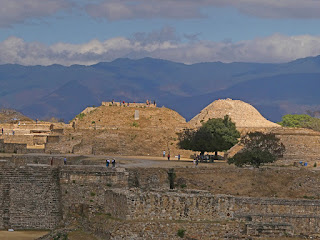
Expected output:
(12, 116)
(62, 92)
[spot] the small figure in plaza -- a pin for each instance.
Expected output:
(107, 163)
(65, 161)
(113, 163)
(2, 131)
(164, 153)
(179, 157)
(168, 156)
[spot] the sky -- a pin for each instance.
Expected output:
(67, 32)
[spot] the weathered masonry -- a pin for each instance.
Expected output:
(40, 196)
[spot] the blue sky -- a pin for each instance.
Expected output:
(85, 32)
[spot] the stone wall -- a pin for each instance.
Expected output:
(138, 203)
(87, 190)
(30, 197)
(12, 147)
(26, 139)
(301, 144)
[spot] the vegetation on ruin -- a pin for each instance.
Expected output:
(259, 148)
(300, 120)
(214, 135)
(181, 233)
(80, 116)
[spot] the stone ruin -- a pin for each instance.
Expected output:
(28, 136)
(110, 130)
(127, 204)
(244, 115)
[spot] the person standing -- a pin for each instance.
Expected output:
(107, 163)
(179, 157)
(65, 161)
(164, 153)
(168, 156)
(113, 163)
(2, 131)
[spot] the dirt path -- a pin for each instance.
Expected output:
(21, 235)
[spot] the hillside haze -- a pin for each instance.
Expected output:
(63, 92)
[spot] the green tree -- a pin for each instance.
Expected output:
(259, 148)
(295, 120)
(215, 135)
(302, 121)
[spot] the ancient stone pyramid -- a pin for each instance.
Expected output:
(242, 114)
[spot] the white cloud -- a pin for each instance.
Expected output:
(144, 9)
(276, 8)
(276, 48)
(181, 9)
(17, 11)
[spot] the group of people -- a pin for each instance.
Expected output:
(123, 103)
(113, 162)
(148, 103)
(164, 155)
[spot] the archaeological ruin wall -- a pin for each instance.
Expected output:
(40, 196)
(30, 197)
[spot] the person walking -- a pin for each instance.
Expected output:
(113, 163)
(168, 156)
(65, 161)
(179, 157)
(107, 163)
(164, 153)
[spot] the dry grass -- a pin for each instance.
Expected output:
(21, 235)
(80, 235)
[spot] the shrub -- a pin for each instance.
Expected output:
(135, 124)
(80, 116)
(181, 232)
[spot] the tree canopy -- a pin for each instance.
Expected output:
(215, 135)
(259, 148)
(302, 120)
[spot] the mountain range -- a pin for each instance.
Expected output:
(64, 91)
